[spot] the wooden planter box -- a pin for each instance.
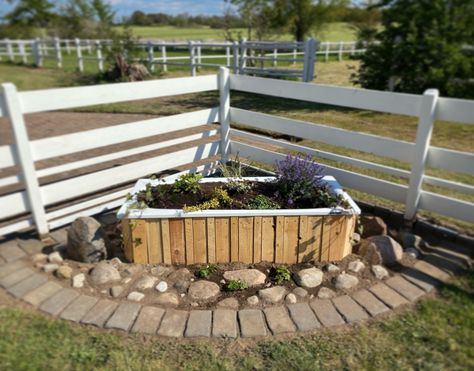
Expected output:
(154, 236)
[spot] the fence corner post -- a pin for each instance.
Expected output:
(192, 57)
(57, 50)
(243, 56)
(427, 117)
(223, 83)
(25, 157)
(309, 55)
(37, 53)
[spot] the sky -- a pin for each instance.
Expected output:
(126, 7)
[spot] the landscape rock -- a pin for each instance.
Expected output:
(410, 240)
(381, 249)
(372, 226)
(326, 293)
(116, 262)
(104, 273)
(272, 295)
(55, 258)
(300, 292)
(310, 277)
(291, 298)
(331, 268)
(203, 290)
(167, 299)
(145, 283)
(64, 272)
(253, 277)
(229, 303)
(116, 291)
(161, 271)
(379, 272)
(355, 239)
(181, 279)
(86, 241)
(253, 300)
(356, 266)
(413, 252)
(136, 296)
(346, 281)
(133, 269)
(50, 267)
(162, 286)
(78, 280)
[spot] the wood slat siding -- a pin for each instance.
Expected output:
(279, 239)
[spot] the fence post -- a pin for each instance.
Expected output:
(275, 56)
(341, 47)
(420, 152)
(89, 46)
(80, 61)
(243, 55)
(353, 48)
(227, 56)
(57, 50)
(25, 158)
(44, 47)
(192, 58)
(100, 60)
(235, 57)
(326, 57)
(224, 111)
(68, 46)
(163, 58)
(309, 54)
(151, 57)
(22, 49)
(199, 60)
(9, 46)
(37, 52)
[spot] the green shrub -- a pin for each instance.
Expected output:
(280, 274)
(235, 285)
(206, 270)
(187, 183)
(262, 202)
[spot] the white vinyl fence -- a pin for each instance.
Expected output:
(52, 204)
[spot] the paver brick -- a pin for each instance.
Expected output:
(78, 308)
(303, 317)
(199, 323)
(425, 282)
(29, 284)
(432, 271)
(40, 294)
(389, 296)
(252, 323)
(173, 323)
(326, 313)
(9, 268)
(148, 320)
(15, 277)
(371, 304)
(31, 246)
(55, 304)
(225, 323)
(99, 313)
(279, 320)
(405, 288)
(350, 310)
(124, 316)
(10, 251)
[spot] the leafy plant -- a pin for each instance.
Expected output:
(213, 203)
(262, 202)
(223, 196)
(206, 270)
(187, 183)
(280, 274)
(235, 285)
(232, 169)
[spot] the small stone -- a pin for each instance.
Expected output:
(379, 272)
(311, 296)
(133, 269)
(55, 257)
(291, 298)
(222, 282)
(194, 304)
(203, 290)
(115, 291)
(346, 281)
(310, 277)
(78, 280)
(103, 291)
(64, 272)
(300, 292)
(355, 239)
(386, 247)
(86, 240)
(331, 268)
(104, 273)
(268, 284)
(162, 286)
(126, 280)
(145, 283)
(116, 262)
(183, 294)
(410, 240)
(136, 296)
(326, 293)
(180, 279)
(356, 266)
(273, 294)
(167, 298)
(252, 277)
(161, 271)
(372, 226)
(182, 285)
(413, 252)
(49, 268)
(39, 258)
(253, 300)
(230, 303)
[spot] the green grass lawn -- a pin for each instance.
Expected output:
(438, 335)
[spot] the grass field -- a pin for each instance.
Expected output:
(437, 336)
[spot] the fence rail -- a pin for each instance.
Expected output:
(47, 205)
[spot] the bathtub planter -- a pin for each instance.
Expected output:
(283, 236)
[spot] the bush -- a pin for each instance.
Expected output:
(235, 285)
(187, 183)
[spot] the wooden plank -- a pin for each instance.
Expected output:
(337, 237)
(199, 237)
(155, 246)
(127, 239)
(234, 239)
(309, 238)
(349, 228)
(315, 225)
(177, 241)
(246, 239)
(325, 239)
(165, 240)
(290, 240)
(257, 239)
(279, 239)
(268, 239)
(189, 239)
(139, 241)
(222, 228)
(211, 240)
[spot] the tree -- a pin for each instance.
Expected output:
(366, 20)
(258, 16)
(421, 46)
(31, 13)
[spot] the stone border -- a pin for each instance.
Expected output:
(22, 282)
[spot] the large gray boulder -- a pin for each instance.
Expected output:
(86, 241)
(252, 277)
(310, 277)
(381, 250)
(104, 273)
